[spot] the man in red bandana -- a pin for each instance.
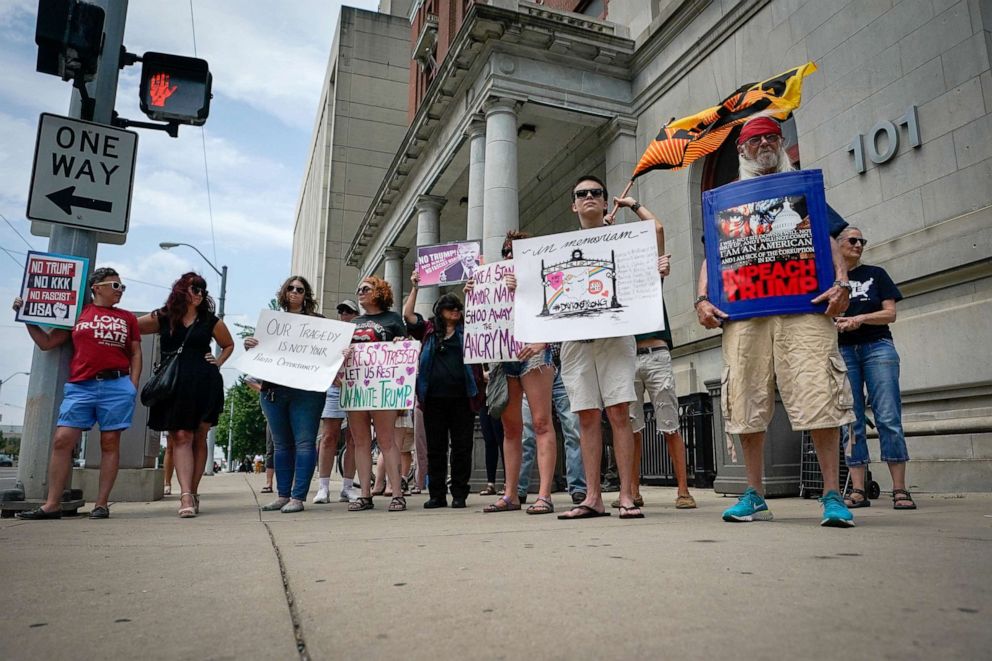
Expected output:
(797, 352)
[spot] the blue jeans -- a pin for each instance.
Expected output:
(575, 474)
(294, 418)
(875, 365)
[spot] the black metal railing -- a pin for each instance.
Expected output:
(696, 427)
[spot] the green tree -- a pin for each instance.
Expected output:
(245, 426)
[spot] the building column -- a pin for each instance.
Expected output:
(620, 138)
(394, 274)
(428, 232)
(501, 206)
(476, 177)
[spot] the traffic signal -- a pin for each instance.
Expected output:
(175, 88)
(69, 34)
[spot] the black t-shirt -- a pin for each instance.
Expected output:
(870, 285)
(447, 369)
(382, 327)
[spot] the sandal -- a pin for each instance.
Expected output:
(416, 491)
(379, 493)
(490, 490)
(266, 490)
(196, 502)
(638, 502)
(186, 512)
(397, 504)
(361, 504)
(906, 502)
(541, 506)
(860, 502)
(502, 504)
(167, 490)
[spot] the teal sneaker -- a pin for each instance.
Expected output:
(835, 512)
(750, 507)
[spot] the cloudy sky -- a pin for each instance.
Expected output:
(268, 61)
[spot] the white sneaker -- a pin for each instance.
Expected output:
(349, 495)
(322, 496)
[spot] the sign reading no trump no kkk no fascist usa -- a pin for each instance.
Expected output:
(489, 316)
(380, 376)
(296, 350)
(52, 289)
(588, 284)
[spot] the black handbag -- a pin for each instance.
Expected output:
(497, 392)
(165, 375)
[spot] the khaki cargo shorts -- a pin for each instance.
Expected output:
(797, 351)
(654, 375)
(599, 373)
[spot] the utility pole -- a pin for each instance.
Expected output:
(49, 369)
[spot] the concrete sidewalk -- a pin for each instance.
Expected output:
(457, 584)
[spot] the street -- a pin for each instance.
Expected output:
(8, 477)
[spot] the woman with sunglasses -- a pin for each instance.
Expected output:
(377, 324)
(187, 320)
(101, 389)
(872, 361)
(450, 394)
(293, 414)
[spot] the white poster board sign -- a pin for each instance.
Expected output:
(588, 284)
(380, 376)
(489, 316)
(297, 351)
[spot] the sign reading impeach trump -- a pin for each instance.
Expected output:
(52, 290)
(296, 350)
(489, 316)
(380, 376)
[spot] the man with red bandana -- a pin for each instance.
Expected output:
(798, 352)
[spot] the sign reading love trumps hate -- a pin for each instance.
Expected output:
(489, 316)
(52, 289)
(297, 351)
(380, 376)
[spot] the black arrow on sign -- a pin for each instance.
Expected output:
(65, 199)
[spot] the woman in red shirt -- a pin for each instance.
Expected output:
(101, 389)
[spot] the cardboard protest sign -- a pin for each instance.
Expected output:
(52, 289)
(447, 263)
(489, 317)
(380, 376)
(296, 350)
(588, 284)
(768, 245)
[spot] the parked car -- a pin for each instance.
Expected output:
(6, 460)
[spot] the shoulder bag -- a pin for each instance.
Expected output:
(497, 394)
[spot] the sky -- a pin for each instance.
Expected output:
(268, 61)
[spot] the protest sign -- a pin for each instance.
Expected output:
(296, 350)
(447, 263)
(768, 245)
(52, 289)
(588, 284)
(380, 376)
(489, 316)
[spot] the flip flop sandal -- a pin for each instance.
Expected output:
(638, 502)
(490, 490)
(397, 504)
(906, 498)
(266, 490)
(542, 506)
(855, 504)
(361, 504)
(625, 512)
(586, 513)
(506, 506)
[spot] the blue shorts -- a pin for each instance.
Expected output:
(517, 368)
(332, 405)
(109, 404)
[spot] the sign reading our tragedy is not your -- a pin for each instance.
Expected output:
(296, 350)
(380, 376)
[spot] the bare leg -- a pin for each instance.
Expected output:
(182, 456)
(349, 455)
(330, 436)
(110, 461)
(827, 445)
(591, 442)
(676, 450)
(754, 460)
(623, 445)
(360, 424)
(898, 472)
(635, 488)
(537, 384)
(200, 454)
(513, 432)
(385, 427)
(857, 474)
(269, 474)
(167, 463)
(380, 472)
(60, 465)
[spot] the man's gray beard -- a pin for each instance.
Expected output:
(748, 169)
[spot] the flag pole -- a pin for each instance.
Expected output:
(609, 220)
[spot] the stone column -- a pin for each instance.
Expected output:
(476, 177)
(428, 231)
(501, 208)
(394, 273)
(620, 136)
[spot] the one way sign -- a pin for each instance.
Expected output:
(83, 174)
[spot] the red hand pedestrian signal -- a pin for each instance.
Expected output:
(159, 90)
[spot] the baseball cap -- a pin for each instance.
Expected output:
(347, 305)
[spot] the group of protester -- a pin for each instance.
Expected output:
(582, 380)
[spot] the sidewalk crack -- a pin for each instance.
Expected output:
(301, 643)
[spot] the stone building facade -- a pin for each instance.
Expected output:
(528, 96)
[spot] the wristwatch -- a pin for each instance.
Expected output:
(635, 206)
(844, 284)
(700, 299)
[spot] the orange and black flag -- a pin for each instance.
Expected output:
(682, 141)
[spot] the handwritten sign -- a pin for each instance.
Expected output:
(297, 351)
(380, 376)
(489, 317)
(447, 263)
(768, 245)
(583, 285)
(52, 289)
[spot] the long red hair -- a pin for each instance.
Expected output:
(175, 306)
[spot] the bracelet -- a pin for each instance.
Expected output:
(635, 206)
(844, 284)
(700, 299)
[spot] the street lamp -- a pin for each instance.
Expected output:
(3, 381)
(222, 272)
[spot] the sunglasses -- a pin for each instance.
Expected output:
(770, 138)
(116, 286)
(295, 290)
(586, 192)
(853, 240)
(197, 290)
(363, 290)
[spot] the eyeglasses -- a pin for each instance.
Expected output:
(854, 240)
(507, 252)
(295, 290)
(770, 138)
(116, 286)
(197, 290)
(586, 192)
(363, 290)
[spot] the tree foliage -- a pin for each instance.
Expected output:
(247, 424)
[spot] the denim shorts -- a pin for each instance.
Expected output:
(517, 368)
(109, 404)
(332, 405)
